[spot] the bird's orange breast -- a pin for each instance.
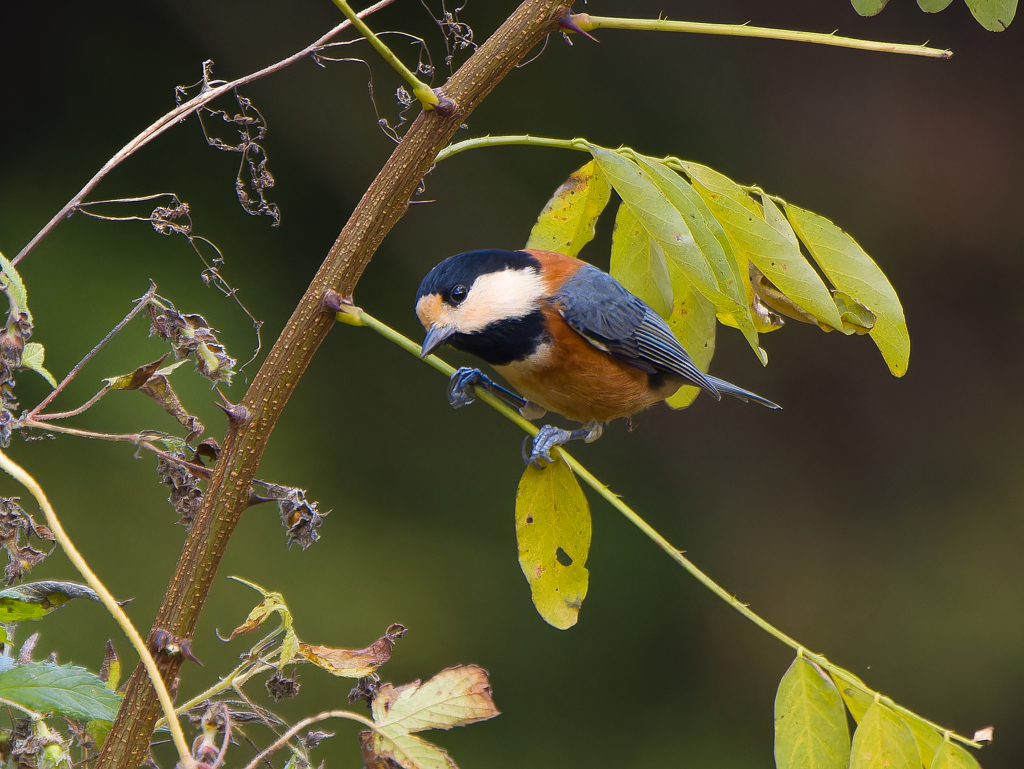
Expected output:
(571, 377)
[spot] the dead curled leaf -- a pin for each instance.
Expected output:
(354, 663)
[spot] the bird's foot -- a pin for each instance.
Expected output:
(550, 436)
(460, 389)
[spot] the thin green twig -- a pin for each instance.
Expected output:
(589, 23)
(358, 317)
(22, 476)
(420, 90)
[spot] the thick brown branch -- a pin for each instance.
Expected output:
(384, 203)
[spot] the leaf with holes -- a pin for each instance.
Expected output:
(553, 532)
(810, 720)
(62, 689)
(567, 222)
(855, 273)
(949, 755)
(638, 263)
(771, 249)
(454, 697)
(34, 600)
(993, 15)
(32, 358)
(883, 741)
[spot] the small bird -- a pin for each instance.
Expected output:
(565, 334)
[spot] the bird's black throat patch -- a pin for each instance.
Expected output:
(503, 342)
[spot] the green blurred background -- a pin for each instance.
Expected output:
(877, 520)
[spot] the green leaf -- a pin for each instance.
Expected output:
(993, 15)
(928, 740)
(62, 689)
(567, 222)
(12, 285)
(810, 720)
(854, 272)
(733, 305)
(856, 695)
(933, 6)
(868, 7)
(949, 755)
(37, 599)
(553, 532)
(272, 602)
(98, 731)
(857, 319)
(693, 323)
(771, 250)
(32, 358)
(883, 741)
(638, 263)
(663, 223)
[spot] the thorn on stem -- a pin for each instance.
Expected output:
(238, 414)
(568, 22)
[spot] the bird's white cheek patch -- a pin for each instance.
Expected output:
(499, 296)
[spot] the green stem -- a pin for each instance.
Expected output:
(420, 90)
(581, 145)
(21, 476)
(589, 23)
(358, 317)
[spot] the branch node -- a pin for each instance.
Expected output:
(238, 414)
(571, 22)
(445, 107)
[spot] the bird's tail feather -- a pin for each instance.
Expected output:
(738, 392)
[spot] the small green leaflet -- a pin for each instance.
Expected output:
(810, 720)
(868, 7)
(12, 285)
(855, 693)
(933, 6)
(951, 756)
(567, 222)
(993, 15)
(553, 532)
(34, 600)
(883, 741)
(62, 689)
(854, 273)
(693, 323)
(32, 358)
(638, 263)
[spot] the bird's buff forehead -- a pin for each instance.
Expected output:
(430, 309)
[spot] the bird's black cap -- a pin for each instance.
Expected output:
(465, 268)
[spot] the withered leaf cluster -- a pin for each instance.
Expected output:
(14, 522)
(299, 516)
(191, 335)
(185, 495)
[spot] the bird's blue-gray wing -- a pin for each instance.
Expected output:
(614, 320)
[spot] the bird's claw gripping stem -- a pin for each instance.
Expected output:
(460, 389)
(550, 436)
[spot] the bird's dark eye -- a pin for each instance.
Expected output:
(458, 294)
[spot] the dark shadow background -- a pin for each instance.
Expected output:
(877, 520)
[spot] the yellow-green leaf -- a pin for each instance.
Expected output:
(810, 720)
(928, 740)
(638, 263)
(454, 697)
(854, 272)
(933, 6)
(405, 750)
(12, 285)
(693, 323)
(993, 15)
(949, 755)
(553, 532)
(567, 222)
(32, 357)
(856, 695)
(272, 603)
(857, 319)
(771, 250)
(657, 215)
(883, 741)
(733, 306)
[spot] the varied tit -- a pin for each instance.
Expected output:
(565, 334)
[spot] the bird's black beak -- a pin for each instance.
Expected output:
(436, 336)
